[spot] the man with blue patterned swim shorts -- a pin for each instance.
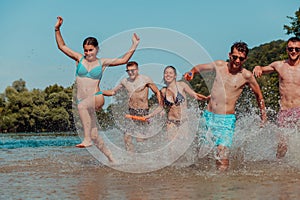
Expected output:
(230, 79)
(221, 126)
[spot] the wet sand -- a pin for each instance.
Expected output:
(70, 173)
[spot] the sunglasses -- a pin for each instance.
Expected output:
(291, 49)
(130, 70)
(236, 57)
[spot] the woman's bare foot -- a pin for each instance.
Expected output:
(83, 144)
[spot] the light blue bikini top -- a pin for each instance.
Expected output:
(95, 73)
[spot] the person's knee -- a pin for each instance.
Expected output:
(82, 107)
(98, 106)
(99, 102)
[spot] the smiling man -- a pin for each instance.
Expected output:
(289, 82)
(137, 86)
(228, 85)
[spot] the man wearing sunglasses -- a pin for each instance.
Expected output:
(289, 83)
(230, 79)
(137, 87)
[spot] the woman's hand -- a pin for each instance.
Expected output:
(58, 23)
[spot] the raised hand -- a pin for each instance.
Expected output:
(135, 39)
(59, 22)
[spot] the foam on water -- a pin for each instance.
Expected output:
(67, 172)
(251, 144)
(156, 151)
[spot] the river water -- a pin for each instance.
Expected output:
(48, 166)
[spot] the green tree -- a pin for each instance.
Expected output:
(8, 122)
(104, 119)
(20, 85)
(17, 111)
(59, 119)
(2, 104)
(294, 28)
(53, 89)
(40, 115)
(38, 97)
(57, 101)
(36, 110)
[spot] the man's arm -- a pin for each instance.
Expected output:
(113, 91)
(126, 57)
(201, 68)
(159, 109)
(156, 91)
(192, 93)
(258, 94)
(260, 70)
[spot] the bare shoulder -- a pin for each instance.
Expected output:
(279, 64)
(124, 81)
(163, 90)
(104, 62)
(220, 63)
(247, 74)
(182, 84)
(145, 78)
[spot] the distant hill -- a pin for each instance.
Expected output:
(266, 54)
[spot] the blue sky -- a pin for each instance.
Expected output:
(28, 49)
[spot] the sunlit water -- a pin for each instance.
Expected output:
(48, 166)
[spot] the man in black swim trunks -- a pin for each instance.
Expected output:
(137, 86)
